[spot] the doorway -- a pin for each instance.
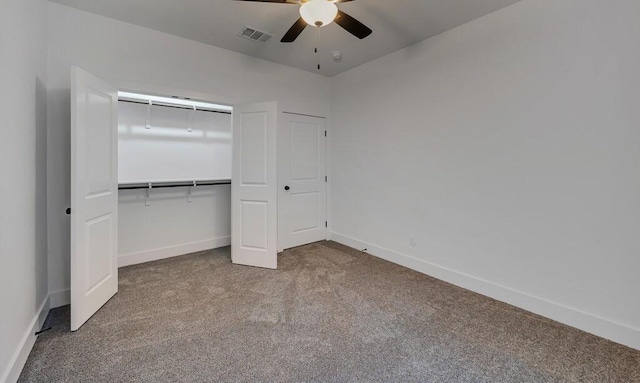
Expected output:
(278, 197)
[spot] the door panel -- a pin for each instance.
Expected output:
(305, 145)
(254, 148)
(94, 195)
(255, 225)
(98, 247)
(304, 210)
(302, 168)
(254, 195)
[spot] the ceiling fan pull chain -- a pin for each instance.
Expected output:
(317, 42)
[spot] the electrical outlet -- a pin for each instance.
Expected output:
(412, 241)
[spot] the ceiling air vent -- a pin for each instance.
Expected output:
(253, 34)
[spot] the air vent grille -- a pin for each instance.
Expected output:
(253, 34)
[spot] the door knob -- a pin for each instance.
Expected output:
(287, 187)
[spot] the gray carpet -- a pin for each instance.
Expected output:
(328, 314)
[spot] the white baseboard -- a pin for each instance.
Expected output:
(60, 298)
(20, 356)
(172, 251)
(601, 327)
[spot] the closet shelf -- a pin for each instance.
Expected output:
(171, 184)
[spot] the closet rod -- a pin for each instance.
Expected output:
(160, 185)
(156, 103)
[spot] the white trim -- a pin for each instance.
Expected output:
(172, 251)
(59, 298)
(329, 173)
(590, 323)
(19, 358)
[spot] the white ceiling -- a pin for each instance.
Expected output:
(395, 23)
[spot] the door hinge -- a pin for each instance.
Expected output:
(325, 133)
(326, 224)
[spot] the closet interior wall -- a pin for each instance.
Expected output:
(159, 144)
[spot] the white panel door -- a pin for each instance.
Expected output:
(302, 184)
(254, 194)
(94, 195)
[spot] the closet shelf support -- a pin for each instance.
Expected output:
(171, 184)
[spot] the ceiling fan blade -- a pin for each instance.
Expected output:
(293, 32)
(352, 25)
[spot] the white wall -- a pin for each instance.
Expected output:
(168, 151)
(508, 148)
(144, 60)
(171, 225)
(172, 222)
(23, 214)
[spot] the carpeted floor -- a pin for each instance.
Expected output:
(328, 314)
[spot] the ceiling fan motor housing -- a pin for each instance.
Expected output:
(318, 12)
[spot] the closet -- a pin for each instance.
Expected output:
(174, 177)
(154, 177)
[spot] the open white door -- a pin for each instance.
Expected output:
(94, 195)
(254, 194)
(302, 201)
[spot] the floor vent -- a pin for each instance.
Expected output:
(253, 34)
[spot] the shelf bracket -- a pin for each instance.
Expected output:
(195, 183)
(147, 195)
(148, 125)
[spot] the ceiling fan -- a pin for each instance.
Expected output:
(320, 13)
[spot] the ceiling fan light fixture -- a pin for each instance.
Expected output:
(318, 12)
